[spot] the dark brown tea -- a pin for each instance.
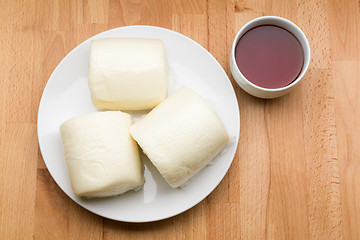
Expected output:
(269, 56)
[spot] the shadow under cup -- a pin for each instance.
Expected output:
(266, 92)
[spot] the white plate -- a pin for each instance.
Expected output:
(66, 95)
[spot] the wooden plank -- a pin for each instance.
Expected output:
(223, 220)
(322, 166)
(96, 11)
(156, 13)
(254, 168)
(52, 206)
(287, 206)
(344, 29)
(198, 29)
(124, 13)
(347, 95)
(18, 180)
(84, 224)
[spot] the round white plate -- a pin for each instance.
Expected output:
(67, 95)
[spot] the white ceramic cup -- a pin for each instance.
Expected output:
(250, 87)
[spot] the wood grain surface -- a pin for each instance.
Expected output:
(296, 173)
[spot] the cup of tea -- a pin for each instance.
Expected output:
(269, 56)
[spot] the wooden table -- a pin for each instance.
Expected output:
(296, 174)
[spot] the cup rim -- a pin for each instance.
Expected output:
(280, 19)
